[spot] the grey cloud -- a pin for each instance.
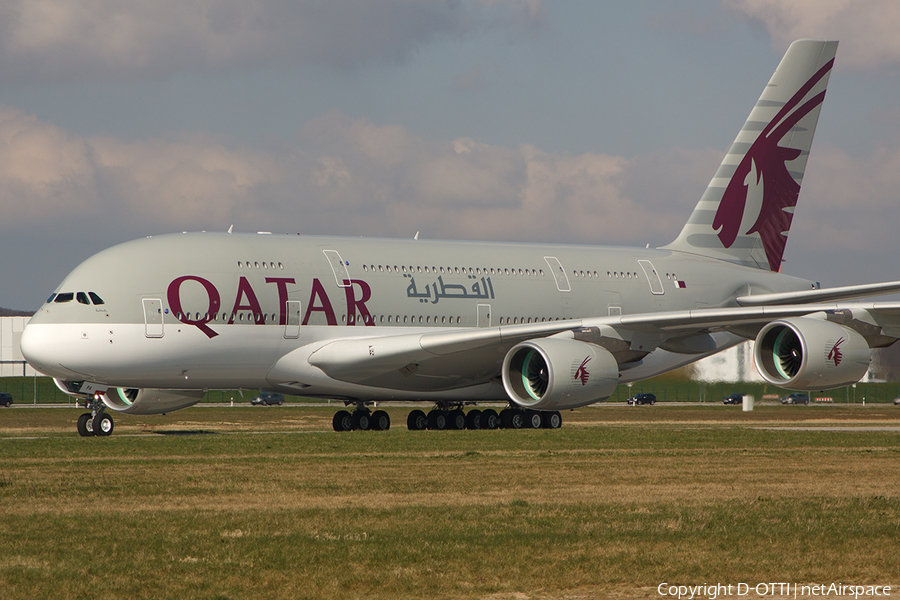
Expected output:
(343, 176)
(867, 30)
(74, 40)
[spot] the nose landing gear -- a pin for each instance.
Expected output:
(97, 422)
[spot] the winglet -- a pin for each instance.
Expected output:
(745, 214)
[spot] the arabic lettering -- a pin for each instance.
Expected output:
(433, 292)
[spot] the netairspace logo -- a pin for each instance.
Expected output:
(772, 590)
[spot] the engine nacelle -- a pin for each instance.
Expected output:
(150, 401)
(554, 374)
(810, 354)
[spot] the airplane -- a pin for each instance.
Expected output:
(149, 326)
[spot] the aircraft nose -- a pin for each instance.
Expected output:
(41, 349)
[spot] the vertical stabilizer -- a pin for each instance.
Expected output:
(745, 214)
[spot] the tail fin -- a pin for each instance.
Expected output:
(745, 214)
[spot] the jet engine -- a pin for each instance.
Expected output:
(554, 374)
(150, 401)
(810, 354)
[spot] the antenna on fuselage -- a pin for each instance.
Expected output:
(230, 229)
(416, 237)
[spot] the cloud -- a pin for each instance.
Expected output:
(341, 176)
(345, 176)
(849, 203)
(43, 169)
(867, 30)
(74, 39)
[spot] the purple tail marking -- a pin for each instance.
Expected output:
(780, 191)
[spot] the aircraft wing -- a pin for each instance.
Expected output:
(365, 359)
(826, 295)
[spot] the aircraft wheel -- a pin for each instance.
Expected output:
(512, 418)
(85, 425)
(102, 424)
(362, 420)
(532, 419)
(437, 419)
(552, 420)
(457, 419)
(342, 421)
(417, 421)
(381, 421)
(473, 419)
(490, 419)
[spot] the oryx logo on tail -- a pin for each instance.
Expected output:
(765, 165)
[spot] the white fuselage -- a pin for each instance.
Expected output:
(221, 311)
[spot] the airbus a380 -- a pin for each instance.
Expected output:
(149, 326)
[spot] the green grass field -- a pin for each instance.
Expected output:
(269, 503)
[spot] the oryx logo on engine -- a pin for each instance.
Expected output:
(582, 373)
(835, 353)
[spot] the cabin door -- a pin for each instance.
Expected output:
(292, 325)
(153, 317)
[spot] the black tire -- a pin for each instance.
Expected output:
(456, 419)
(381, 421)
(552, 419)
(102, 424)
(417, 421)
(342, 421)
(532, 420)
(7, 403)
(490, 419)
(362, 420)
(512, 418)
(437, 420)
(473, 419)
(85, 425)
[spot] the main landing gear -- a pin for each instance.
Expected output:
(96, 422)
(446, 415)
(361, 418)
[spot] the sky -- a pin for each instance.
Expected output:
(511, 120)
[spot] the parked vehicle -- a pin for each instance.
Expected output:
(642, 399)
(5, 399)
(796, 398)
(268, 399)
(734, 399)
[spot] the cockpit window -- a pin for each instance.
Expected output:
(82, 298)
(95, 298)
(50, 299)
(65, 297)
